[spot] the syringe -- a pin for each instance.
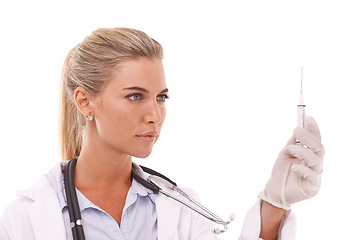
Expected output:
(301, 106)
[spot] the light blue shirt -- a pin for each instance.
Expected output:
(139, 218)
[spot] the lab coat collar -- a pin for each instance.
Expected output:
(36, 190)
(45, 226)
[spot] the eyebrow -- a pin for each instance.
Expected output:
(165, 90)
(136, 89)
(143, 89)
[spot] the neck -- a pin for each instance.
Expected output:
(99, 168)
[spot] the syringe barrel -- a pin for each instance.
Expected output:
(301, 115)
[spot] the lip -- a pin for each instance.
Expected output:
(148, 137)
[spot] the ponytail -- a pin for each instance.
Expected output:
(70, 119)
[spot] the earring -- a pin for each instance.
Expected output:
(89, 118)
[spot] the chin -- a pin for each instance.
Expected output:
(142, 154)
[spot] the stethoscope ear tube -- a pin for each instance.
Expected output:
(148, 185)
(155, 173)
(72, 201)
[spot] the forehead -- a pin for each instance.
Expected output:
(140, 72)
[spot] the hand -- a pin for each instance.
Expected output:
(296, 175)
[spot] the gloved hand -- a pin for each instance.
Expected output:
(296, 175)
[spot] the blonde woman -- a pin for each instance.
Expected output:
(113, 108)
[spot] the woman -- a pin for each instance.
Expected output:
(113, 108)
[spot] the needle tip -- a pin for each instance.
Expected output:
(301, 89)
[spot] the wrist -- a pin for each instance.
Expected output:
(271, 217)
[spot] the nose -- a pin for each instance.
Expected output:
(153, 113)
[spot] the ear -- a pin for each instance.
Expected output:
(82, 100)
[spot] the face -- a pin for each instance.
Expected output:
(130, 111)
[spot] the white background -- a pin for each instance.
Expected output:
(233, 70)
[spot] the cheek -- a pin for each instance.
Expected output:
(124, 122)
(115, 120)
(163, 117)
(163, 113)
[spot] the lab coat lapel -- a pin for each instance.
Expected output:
(168, 218)
(46, 218)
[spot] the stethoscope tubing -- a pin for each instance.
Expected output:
(199, 208)
(72, 202)
(212, 216)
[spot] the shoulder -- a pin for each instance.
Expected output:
(28, 202)
(15, 214)
(26, 197)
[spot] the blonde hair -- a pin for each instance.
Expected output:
(90, 65)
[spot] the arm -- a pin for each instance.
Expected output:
(296, 176)
(270, 220)
(252, 224)
(3, 234)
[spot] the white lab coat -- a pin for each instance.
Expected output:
(36, 215)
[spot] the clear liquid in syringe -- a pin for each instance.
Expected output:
(301, 106)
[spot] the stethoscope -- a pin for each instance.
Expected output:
(74, 210)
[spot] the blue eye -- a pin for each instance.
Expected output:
(135, 96)
(162, 97)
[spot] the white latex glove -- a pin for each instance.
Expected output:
(296, 175)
